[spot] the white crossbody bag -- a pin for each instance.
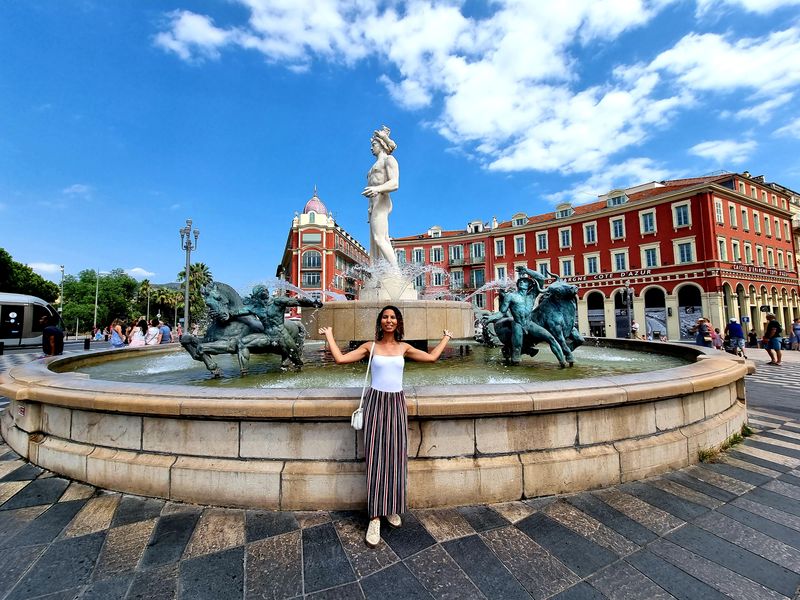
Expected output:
(357, 418)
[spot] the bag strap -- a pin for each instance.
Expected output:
(366, 376)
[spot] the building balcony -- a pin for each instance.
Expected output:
(357, 257)
(456, 262)
(477, 260)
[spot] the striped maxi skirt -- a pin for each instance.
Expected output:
(386, 452)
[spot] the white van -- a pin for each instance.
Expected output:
(19, 318)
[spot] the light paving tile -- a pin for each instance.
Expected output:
(790, 434)
(590, 528)
(218, 529)
(95, 516)
(743, 464)
(364, 560)
(684, 492)
(783, 488)
(123, 548)
(444, 524)
(761, 413)
(780, 459)
(539, 572)
(773, 514)
(9, 488)
(513, 511)
(750, 539)
(77, 491)
(655, 519)
(757, 424)
(175, 508)
(7, 467)
(307, 519)
(729, 484)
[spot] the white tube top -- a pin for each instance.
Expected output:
(387, 373)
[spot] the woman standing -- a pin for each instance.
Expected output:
(385, 415)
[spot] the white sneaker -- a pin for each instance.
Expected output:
(373, 537)
(394, 520)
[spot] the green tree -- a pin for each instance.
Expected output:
(20, 279)
(116, 292)
(199, 276)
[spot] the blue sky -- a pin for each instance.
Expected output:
(118, 120)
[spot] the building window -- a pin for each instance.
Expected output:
(312, 260)
(764, 196)
(682, 215)
(566, 267)
(592, 265)
(543, 266)
(756, 222)
(685, 252)
(541, 241)
(477, 249)
(312, 238)
(760, 256)
(565, 238)
(767, 229)
(723, 249)
(500, 247)
(519, 244)
(478, 278)
(312, 217)
(741, 187)
(617, 228)
(436, 233)
(753, 191)
(748, 254)
(519, 221)
(617, 200)
(735, 254)
(311, 279)
(501, 273)
(479, 300)
(456, 280)
(777, 229)
(650, 257)
(419, 281)
(786, 233)
(590, 233)
(648, 222)
(418, 256)
(436, 254)
(438, 278)
(770, 258)
(745, 221)
(563, 213)
(732, 215)
(789, 263)
(620, 261)
(780, 259)
(718, 211)
(456, 255)
(401, 256)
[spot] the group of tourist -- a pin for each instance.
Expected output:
(733, 338)
(141, 333)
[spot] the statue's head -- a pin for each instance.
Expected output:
(524, 284)
(261, 292)
(382, 141)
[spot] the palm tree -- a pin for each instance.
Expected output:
(200, 276)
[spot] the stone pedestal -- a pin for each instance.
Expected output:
(388, 289)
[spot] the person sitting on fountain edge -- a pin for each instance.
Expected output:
(385, 415)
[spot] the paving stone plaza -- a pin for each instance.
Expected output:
(728, 529)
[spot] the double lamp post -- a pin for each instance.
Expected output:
(187, 245)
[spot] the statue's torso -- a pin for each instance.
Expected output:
(377, 174)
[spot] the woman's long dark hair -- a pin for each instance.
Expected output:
(399, 332)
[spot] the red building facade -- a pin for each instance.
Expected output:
(721, 247)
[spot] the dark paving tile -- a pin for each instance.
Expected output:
(133, 509)
(41, 491)
(582, 556)
(14, 564)
(46, 527)
(759, 523)
(623, 581)
(350, 591)
(760, 461)
(680, 507)
(736, 559)
(65, 565)
(408, 539)
(774, 448)
(70, 594)
(582, 591)
(156, 584)
(441, 576)
(274, 567)
(482, 518)
(110, 589)
(14, 521)
(776, 435)
(700, 486)
(169, 539)
(737, 473)
(218, 576)
(676, 581)
(611, 517)
(325, 563)
(393, 583)
(11, 455)
(790, 479)
(23, 473)
(364, 560)
(338, 515)
(484, 568)
(263, 524)
(774, 500)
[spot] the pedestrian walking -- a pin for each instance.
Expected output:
(796, 333)
(736, 334)
(385, 415)
(773, 340)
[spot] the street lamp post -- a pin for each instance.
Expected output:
(96, 293)
(629, 306)
(61, 300)
(188, 246)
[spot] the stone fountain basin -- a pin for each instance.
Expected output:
(293, 449)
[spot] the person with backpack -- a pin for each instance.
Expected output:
(773, 340)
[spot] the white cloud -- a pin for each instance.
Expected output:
(191, 35)
(175, 206)
(77, 189)
(724, 151)
(45, 268)
(791, 129)
(756, 6)
(761, 112)
(139, 273)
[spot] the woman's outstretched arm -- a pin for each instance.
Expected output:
(432, 356)
(354, 356)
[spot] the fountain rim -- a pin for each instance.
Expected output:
(36, 381)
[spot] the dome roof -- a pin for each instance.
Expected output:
(315, 205)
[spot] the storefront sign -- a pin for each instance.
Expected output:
(601, 276)
(761, 270)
